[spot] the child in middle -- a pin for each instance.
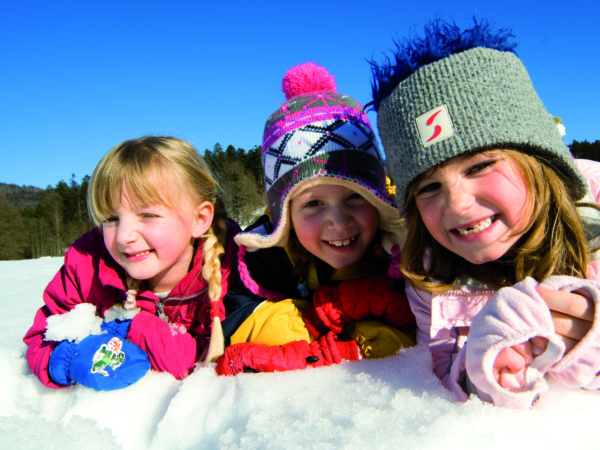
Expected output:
(322, 255)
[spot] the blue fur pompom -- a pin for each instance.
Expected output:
(441, 39)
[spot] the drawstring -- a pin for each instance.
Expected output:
(131, 295)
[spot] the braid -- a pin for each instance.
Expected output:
(214, 247)
(128, 167)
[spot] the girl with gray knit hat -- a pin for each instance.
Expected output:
(322, 254)
(502, 226)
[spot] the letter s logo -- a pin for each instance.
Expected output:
(435, 126)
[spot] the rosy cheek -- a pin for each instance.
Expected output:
(427, 213)
(111, 246)
(108, 236)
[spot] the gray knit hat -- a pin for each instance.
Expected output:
(319, 136)
(477, 99)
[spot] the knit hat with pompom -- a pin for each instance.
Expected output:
(316, 137)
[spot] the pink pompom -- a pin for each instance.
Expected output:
(306, 78)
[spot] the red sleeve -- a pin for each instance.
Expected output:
(61, 295)
(294, 355)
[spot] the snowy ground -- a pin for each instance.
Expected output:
(390, 403)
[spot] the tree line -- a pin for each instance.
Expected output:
(45, 222)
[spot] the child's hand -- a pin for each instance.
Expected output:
(248, 357)
(572, 314)
(511, 365)
(336, 306)
(102, 361)
(376, 339)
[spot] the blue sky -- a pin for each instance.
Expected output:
(78, 77)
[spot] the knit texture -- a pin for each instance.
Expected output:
(319, 136)
(474, 100)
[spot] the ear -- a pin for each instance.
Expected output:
(205, 212)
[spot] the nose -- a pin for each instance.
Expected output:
(126, 231)
(459, 198)
(338, 217)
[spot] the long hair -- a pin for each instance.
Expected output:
(553, 241)
(160, 170)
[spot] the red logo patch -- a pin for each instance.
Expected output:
(435, 126)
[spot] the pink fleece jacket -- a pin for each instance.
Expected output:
(174, 333)
(444, 324)
(515, 315)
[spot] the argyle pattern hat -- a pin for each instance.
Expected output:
(316, 136)
(335, 148)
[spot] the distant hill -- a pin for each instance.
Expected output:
(21, 196)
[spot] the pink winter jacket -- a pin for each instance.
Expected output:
(174, 342)
(444, 324)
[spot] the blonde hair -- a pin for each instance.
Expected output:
(553, 240)
(170, 161)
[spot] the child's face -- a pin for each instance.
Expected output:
(473, 206)
(334, 223)
(155, 242)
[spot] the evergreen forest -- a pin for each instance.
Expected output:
(45, 222)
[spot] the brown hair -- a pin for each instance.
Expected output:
(553, 240)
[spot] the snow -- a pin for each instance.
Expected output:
(390, 403)
(74, 325)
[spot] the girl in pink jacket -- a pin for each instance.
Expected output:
(155, 269)
(495, 205)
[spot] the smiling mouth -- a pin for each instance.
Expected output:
(134, 255)
(484, 224)
(343, 243)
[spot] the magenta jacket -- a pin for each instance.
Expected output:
(444, 325)
(174, 342)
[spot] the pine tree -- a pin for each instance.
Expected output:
(13, 236)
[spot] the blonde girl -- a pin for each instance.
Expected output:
(161, 257)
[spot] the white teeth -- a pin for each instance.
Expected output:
(146, 252)
(341, 243)
(475, 229)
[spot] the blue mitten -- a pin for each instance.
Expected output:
(103, 361)
(117, 327)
